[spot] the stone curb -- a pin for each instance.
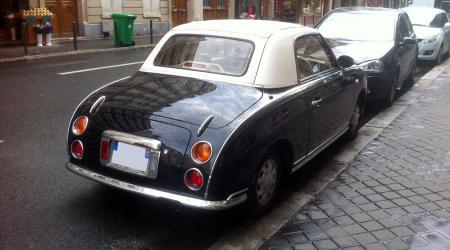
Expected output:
(251, 234)
(72, 53)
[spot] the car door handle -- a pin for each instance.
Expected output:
(316, 102)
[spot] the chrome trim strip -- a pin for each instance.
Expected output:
(232, 200)
(97, 104)
(204, 125)
(131, 139)
(300, 162)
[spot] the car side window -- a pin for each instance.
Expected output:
(402, 29)
(311, 56)
(444, 19)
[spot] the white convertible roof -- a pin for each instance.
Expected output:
(273, 60)
(260, 28)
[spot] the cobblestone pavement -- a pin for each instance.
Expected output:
(395, 194)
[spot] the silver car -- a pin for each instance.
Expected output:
(432, 30)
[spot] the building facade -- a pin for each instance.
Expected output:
(93, 17)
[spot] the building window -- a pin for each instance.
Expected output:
(206, 3)
(221, 4)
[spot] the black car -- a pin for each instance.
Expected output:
(218, 113)
(380, 40)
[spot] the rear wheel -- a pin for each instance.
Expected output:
(266, 183)
(440, 56)
(354, 126)
(390, 95)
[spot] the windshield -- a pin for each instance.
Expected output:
(358, 26)
(205, 53)
(421, 17)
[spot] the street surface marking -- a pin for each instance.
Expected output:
(99, 68)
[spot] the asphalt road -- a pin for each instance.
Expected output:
(42, 205)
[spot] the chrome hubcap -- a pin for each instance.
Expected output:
(266, 181)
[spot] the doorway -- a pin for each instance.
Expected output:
(64, 13)
(179, 12)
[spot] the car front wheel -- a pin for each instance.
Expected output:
(264, 188)
(392, 89)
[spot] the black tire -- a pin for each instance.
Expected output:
(440, 56)
(355, 120)
(410, 81)
(264, 188)
(392, 89)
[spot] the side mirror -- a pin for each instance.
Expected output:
(447, 26)
(345, 61)
(408, 41)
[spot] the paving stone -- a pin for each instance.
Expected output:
(354, 248)
(378, 214)
(372, 225)
(375, 197)
(334, 232)
(308, 226)
(397, 244)
(385, 204)
(295, 238)
(384, 235)
(402, 231)
(344, 220)
(325, 244)
(394, 194)
(395, 211)
(306, 246)
(365, 238)
(414, 209)
(391, 195)
(376, 246)
(402, 202)
(354, 229)
(316, 235)
(346, 241)
(389, 222)
(368, 207)
(417, 199)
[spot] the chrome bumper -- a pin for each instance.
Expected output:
(233, 200)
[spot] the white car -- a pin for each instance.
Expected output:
(432, 30)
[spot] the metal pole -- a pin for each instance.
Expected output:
(25, 38)
(75, 29)
(151, 31)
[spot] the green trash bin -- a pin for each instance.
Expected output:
(123, 29)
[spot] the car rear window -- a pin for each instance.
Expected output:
(206, 53)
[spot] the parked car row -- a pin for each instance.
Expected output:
(222, 111)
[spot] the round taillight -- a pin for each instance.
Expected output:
(80, 125)
(193, 179)
(76, 149)
(201, 152)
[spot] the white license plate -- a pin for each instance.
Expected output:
(131, 158)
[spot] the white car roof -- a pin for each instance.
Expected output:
(424, 9)
(273, 61)
(260, 28)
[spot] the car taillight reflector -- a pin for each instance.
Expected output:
(201, 152)
(193, 179)
(104, 150)
(80, 125)
(76, 149)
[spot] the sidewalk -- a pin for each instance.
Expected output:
(395, 194)
(62, 46)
